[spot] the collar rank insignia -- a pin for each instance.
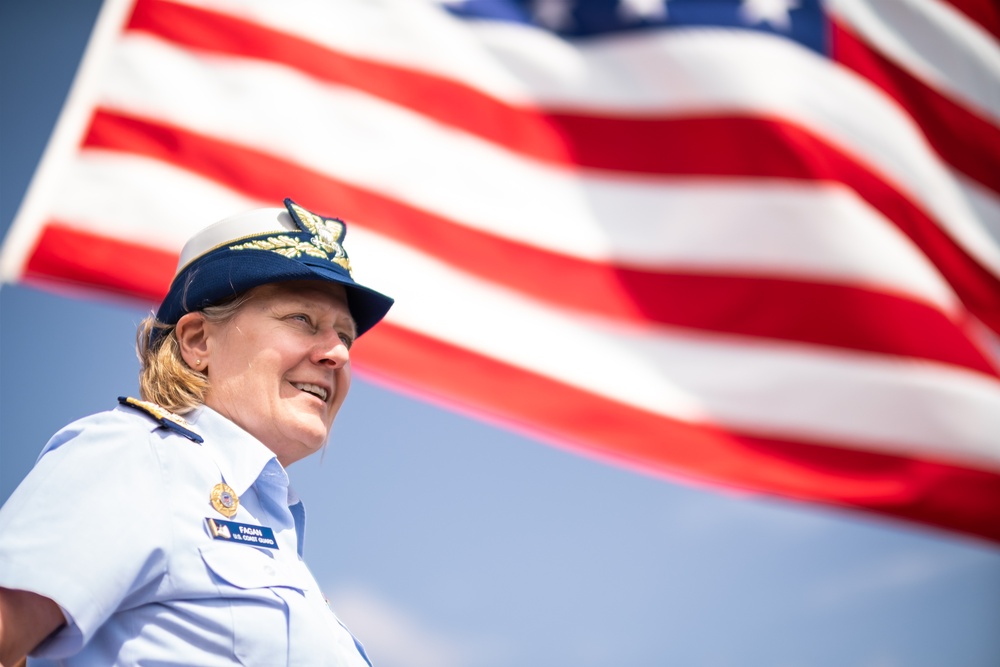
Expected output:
(163, 417)
(325, 242)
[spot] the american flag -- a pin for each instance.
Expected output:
(745, 243)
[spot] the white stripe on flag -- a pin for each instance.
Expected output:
(726, 380)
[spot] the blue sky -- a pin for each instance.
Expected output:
(445, 542)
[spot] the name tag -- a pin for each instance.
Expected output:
(244, 533)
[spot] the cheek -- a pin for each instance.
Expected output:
(345, 378)
(343, 387)
(246, 380)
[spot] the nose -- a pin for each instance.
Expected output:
(330, 350)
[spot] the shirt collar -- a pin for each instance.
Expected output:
(241, 457)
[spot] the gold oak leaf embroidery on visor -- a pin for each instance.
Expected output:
(324, 244)
(284, 245)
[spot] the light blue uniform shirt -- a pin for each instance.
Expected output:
(111, 525)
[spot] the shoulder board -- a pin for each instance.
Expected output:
(163, 417)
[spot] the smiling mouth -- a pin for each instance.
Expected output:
(315, 390)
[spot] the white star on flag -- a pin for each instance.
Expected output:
(636, 10)
(774, 12)
(554, 14)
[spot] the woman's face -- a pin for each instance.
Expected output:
(280, 368)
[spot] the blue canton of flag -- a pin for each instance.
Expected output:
(800, 20)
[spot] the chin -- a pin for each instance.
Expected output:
(313, 439)
(300, 439)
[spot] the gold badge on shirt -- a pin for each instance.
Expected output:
(224, 500)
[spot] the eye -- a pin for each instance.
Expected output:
(346, 339)
(300, 317)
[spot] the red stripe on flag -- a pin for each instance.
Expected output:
(841, 472)
(810, 312)
(768, 148)
(641, 144)
(448, 102)
(923, 491)
(966, 140)
(984, 12)
(66, 254)
(724, 301)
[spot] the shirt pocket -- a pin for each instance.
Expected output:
(246, 579)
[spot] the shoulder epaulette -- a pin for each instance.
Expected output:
(163, 417)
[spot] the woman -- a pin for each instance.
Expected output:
(144, 537)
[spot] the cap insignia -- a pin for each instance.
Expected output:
(325, 243)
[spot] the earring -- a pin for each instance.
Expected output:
(197, 362)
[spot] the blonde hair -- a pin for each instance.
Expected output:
(164, 377)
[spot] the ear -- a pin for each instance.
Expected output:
(192, 338)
